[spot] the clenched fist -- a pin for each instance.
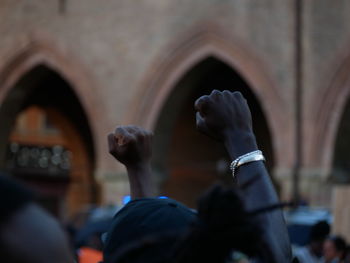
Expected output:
(131, 145)
(225, 116)
(223, 112)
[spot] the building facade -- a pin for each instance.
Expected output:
(94, 65)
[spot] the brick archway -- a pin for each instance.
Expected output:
(196, 46)
(42, 51)
(328, 113)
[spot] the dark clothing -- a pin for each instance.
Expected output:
(149, 225)
(12, 197)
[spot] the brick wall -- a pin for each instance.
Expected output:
(123, 58)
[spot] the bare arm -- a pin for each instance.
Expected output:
(225, 116)
(131, 145)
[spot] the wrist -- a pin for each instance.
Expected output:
(240, 143)
(140, 179)
(138, 166)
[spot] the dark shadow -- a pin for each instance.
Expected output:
(341, 162)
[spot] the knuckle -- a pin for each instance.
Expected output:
(215, 94)
(200, 102)
(227, 92)
(238, 94)
(119, 129)
(134, 128)
(204, 98)
(130, 129)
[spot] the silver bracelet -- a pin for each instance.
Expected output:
(246, 158)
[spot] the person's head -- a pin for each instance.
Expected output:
(146, 230)
(334, 248)
(27, 233)
(318, 235)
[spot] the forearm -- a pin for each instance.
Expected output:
(261, 193)
(258, 191)
(141, 181)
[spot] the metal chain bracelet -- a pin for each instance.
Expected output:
(246, 158)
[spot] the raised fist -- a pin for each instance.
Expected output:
(131, 145)
(222, 114)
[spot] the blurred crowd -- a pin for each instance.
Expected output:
(321, 247)
(313, 244)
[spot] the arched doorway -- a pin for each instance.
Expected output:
(46, 141)
(186, 162)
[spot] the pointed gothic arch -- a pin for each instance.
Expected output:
(40, 75)
(191, 48)
(189, 55)
(43, 51)
(329, 108)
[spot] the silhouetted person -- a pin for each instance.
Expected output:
(146, 228)
(313, 251)
(224, 116)
(223, 226)
(334, 249)
(27, 233)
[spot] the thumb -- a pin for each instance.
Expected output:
(200, 123)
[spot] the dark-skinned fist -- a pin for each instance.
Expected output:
(131, 145)
(223, 113)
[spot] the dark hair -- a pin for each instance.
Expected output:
(13, 196)
(223, 226)
(319, 231)
(339, 243)
(140, 226)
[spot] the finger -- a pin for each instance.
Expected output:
(215, 94)
(123, 141)
(135, 132)
(139, 132)
(122, 135)
(238, 95)
(200, 123)
(146, 135)
(227, 93)
(112, 145)
(240, 100)
(114, 148)
(133, 129)
(141, 136)
(202, 105)
(121, 130)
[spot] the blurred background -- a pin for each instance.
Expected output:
(71, 70)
